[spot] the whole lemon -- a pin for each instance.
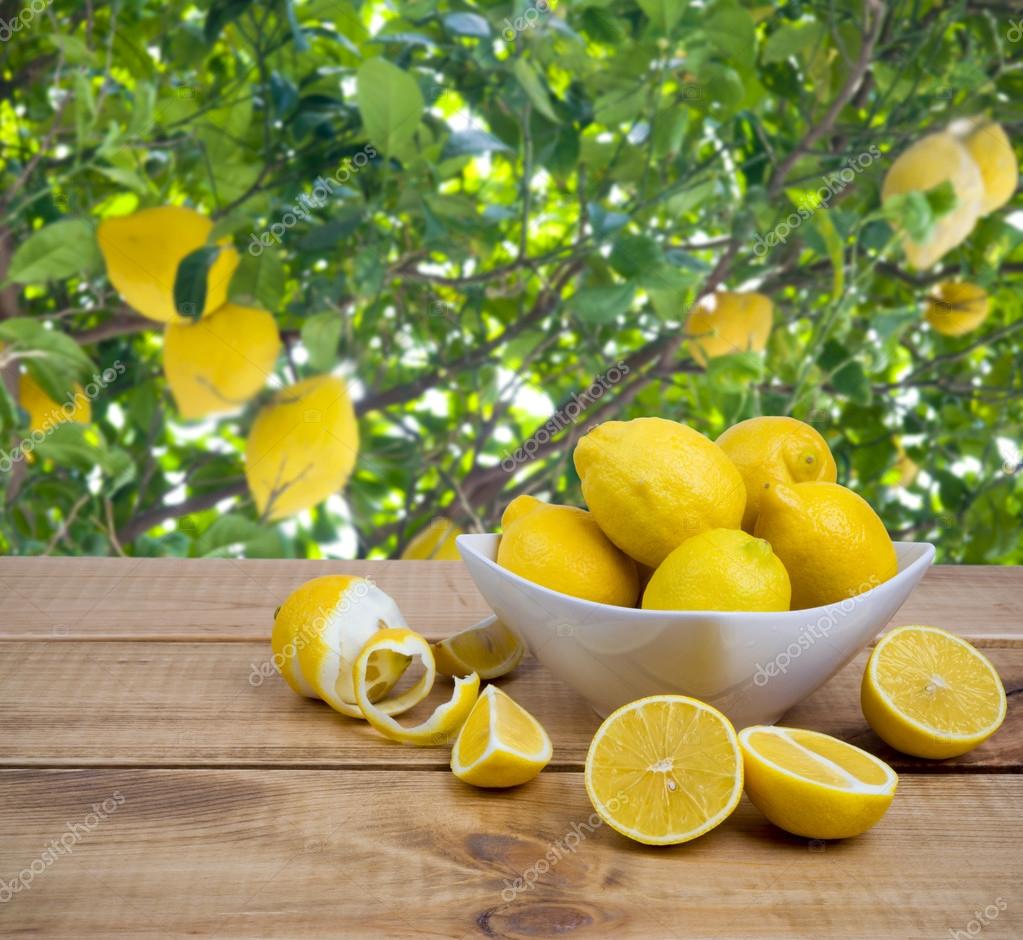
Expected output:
(729, 322)
(436, 542)
(956, 307)
(652, 483)
(720, 569)
(992, 151)
(775, 448)
(832, 543)
(44, 413)
(219, 362)
(562, 548)
(931, 161)
(142, 252)
(302, 447)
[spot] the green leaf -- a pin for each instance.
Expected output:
(53, 358)
(190, 281)
(259, 280)
(602, 304)
(57, 251)
(826, 227)
(851, 380)
(635, 255)
(233, 533)
(221, 13)
(791, 40)
(533, 86)
(736, 371)
(731, 31)
(390, 103)
(75, 51)
(70, 445)
(320, 335)
(471, 143)
(467, 24)
(663, 13)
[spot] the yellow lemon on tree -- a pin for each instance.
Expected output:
(142, 252)
(302, 446)
(931, 161)
(720, 569)
(320, 630)
(729, 322)
(652, 483)
(992, 151)
(832, 543)
(957, 307)
(436, 542)
(929, 693)
(563, 548)
(44, 413)
(775, 448)
(219, 362)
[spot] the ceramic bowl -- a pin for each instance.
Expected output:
(752, 666)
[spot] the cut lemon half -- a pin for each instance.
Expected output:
(446, 719)
(929, 693)
(500, 744)
(813, 785)
(664, 769)
(320, 629)
(489, 649)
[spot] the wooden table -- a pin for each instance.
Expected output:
(156, 783)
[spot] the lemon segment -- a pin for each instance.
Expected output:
(664, 769)
(929, 693)
(446, 719)
(500, 744)
(489, 649)
(318, 633)
(814, 785)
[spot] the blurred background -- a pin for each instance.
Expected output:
(495, 224)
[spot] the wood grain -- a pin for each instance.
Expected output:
(86, 703)
(230, 599)
(235, 853)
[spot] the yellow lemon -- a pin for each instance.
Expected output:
(563, 548)
(720, 569)
(729, 322)
(652, 483)
(500, 744)
(319, 631)
(832, 543)
(956, 307)
(302, 446)
(219, 362)
(446, 719)
(489, 649)
(664, 769)
(436, 542)
(814, 785)
(775, 448)
(142, 252)
(44, 413)
(929, 693)
(906, 467)
(992, 151)
(931, 161)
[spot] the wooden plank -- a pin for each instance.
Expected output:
(230, 599)
(114, 703)
(235, 853)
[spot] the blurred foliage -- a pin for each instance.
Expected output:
(548, 189)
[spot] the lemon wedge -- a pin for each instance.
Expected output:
(812, 784)
(664, 769)
(500, 744)
(446, 719)
(929, 693)
(489, 649)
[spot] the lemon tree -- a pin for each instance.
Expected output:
(493, 238)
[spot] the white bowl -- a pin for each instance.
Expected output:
(752, 666)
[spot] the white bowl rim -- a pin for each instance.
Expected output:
(471, 539)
